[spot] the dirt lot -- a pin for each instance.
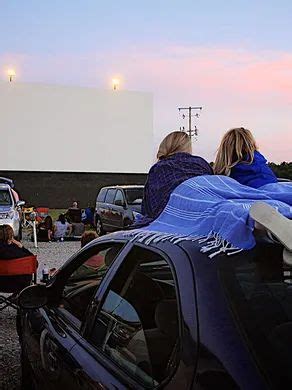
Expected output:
(53, 254)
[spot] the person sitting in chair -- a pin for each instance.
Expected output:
(73, 214)
(62, 228)
(12, 249)
(45, 229)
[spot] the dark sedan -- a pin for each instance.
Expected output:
(158, 314)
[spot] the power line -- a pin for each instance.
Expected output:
(192, 131)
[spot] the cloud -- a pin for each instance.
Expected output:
(211, 70)
(235, 86)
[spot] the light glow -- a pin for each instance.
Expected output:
(11, 74)
(115, 84)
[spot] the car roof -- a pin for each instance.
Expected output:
(126, 186)
(160, 241)
(7, 180)
(149, 239)
(4, 186)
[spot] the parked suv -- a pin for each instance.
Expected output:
(117, 206)
(10, 207)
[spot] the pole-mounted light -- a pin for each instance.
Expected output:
(115, 84)
(11, 74)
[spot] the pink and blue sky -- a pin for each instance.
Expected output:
(234, 58)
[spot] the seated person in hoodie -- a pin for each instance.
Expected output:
(239, 158)
(11, 249)
(175, 164)
(45, 229)
(62, 228)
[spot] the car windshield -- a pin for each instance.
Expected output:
(5, 198)
(134, 195)
(259, 290)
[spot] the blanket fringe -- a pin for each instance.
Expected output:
(213, 242)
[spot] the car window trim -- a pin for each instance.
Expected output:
(83, 254)
(105, 192)
(123, 195)
(114, 370)
(182, 306)
(102, 288)
(105, 201)
(8, 190)
(69, 319)
(57, 285)
(102, 294)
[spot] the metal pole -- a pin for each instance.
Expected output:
(34, 234)
(190, 130)
(190, 122)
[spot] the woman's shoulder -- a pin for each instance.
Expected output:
(259, 157)
(201, 163)
(13, 251)
(199, 158)
(179, 158)
(182, 156)
(26, 252)
(157, 166)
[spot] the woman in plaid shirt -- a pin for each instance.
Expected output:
(175, 164)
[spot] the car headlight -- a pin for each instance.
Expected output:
(10, 214)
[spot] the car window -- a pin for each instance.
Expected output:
(83, 282)
(137, 327)
(259, 291)
(110, 195)
(5, 198)
(134, 195)
(120, 196)
(101, 195)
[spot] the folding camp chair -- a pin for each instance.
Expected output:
(42, 213)
(15, 275)
(26, 216)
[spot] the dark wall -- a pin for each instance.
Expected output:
(60, 189)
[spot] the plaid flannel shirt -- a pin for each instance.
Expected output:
(164, 177)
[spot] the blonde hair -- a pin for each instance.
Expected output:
(6, 233)
(175, 142)
(237, 145)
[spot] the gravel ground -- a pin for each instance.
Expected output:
(54, 254)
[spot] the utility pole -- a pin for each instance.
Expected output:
(191, 131)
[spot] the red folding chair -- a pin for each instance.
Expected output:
(15, 275)
(42, 213)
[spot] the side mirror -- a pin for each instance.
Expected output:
(119, 202)
(33, 297)
(20, 203)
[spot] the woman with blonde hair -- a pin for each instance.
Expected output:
(175, 164)
(239, 158)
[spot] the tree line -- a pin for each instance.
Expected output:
(283, 170)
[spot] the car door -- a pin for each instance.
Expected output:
(143, 334)
(49, 334)
(106, 210)
(118, 210)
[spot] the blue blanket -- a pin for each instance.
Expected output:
(215, 209)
